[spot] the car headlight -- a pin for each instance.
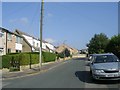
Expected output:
(99, 71)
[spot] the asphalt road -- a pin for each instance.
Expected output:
(69, 74)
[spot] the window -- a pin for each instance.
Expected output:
(18, 51)
(1, 34)
(37, 45)
(33, 43)
(106, 58)
(9, 36)
(9, 50)
(18, 40)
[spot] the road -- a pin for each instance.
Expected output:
(69, 74)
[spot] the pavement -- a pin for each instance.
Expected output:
(32, 71)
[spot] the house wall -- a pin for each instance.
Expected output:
(11, 43)
(36, 43)
(44, 45)
(51, 47)
(18, 46)
(26, 47)
(29, 39)
(2, 42)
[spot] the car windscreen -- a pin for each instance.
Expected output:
(106, 58)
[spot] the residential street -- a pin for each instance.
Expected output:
(69, 74)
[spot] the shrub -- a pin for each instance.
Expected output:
(26, 58)
(6, 61)
(61, 55)
(48, 57)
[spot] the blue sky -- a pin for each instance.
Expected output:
(72, 23)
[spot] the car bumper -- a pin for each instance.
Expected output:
(106, 76)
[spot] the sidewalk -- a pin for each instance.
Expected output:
(28, 72)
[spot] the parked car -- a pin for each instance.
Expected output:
(105, 67)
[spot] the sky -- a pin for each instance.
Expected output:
(64, 22)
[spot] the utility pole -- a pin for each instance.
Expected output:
(41, 27)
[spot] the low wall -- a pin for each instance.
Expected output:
(22, 68)
(79, 56)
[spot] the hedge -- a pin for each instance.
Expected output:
(26, 58)
(48, 57)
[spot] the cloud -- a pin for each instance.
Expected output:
(50, 40)
(22, 20)
(49, 14)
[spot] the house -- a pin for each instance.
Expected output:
(49, 46)
(2, 42)
(10, 42)
(63, 47)
(34, 43)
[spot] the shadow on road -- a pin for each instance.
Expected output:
(80, 59)
(85, 77)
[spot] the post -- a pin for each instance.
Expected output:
(41, 27)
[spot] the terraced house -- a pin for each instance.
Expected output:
(9, 42)
(21, 42)
(34, 43)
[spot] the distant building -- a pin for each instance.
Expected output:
(84, 51)
(63, 47)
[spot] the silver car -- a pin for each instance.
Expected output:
(105, 67)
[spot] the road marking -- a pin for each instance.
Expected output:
(5, 84)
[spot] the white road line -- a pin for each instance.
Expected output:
(5, 84)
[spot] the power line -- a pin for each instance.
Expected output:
(33, 18)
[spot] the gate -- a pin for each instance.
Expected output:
(15, 65)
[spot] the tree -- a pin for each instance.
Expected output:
(67, 52)
(114, 45)
(98, 43)
(64, 53)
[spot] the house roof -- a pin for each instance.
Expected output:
(63, 47)
(8, 31)
(23, 33)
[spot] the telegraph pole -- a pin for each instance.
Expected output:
(41, 27)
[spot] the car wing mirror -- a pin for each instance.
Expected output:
(91, 63)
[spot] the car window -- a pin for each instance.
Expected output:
(106, 58)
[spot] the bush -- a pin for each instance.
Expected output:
(48, 57)
(26, 58)
(61, 55)
(6, 61)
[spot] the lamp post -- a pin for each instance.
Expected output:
(41, 27)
